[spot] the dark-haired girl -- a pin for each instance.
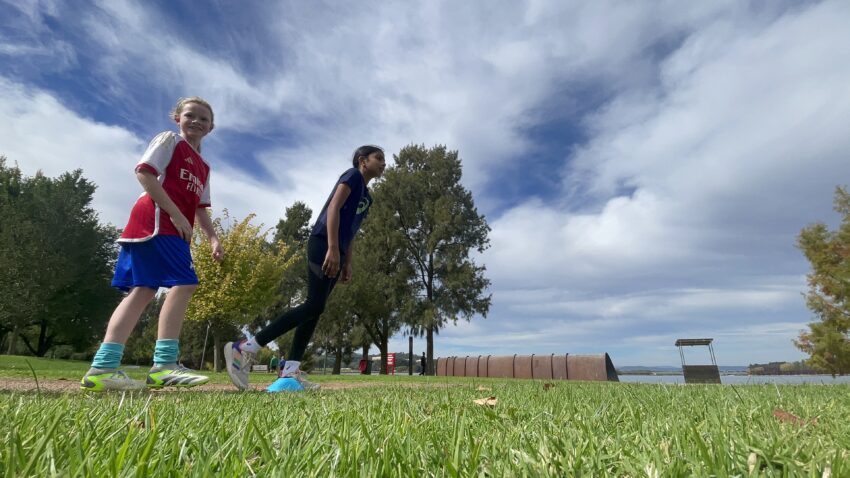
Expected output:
(329, 255)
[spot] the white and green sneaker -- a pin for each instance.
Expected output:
(101, 380)
(174, 375)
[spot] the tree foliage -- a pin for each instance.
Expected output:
(293, 231)
(241, 287)
(382, 289)
(827, 341)
(333, 334)
(55, 260)
(440, 227)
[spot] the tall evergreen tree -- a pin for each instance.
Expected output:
(441, 227)
(827, 341)
(382, 285)
(292, 231)
(56, 260)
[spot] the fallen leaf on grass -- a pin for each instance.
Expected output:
(786, 417)
(752, 461)
(548, 385)
(489, 401)
(482, 388)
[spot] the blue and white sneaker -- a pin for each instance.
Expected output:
(238, 363)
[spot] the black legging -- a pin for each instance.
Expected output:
(305, 316)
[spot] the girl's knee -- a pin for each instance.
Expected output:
(187, 289)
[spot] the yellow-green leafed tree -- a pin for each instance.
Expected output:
(240, 287)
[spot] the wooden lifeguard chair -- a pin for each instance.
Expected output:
(699, 373)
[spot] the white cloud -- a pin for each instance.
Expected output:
(741, 147)
(42, 134)
(737, 148)
(24, 35)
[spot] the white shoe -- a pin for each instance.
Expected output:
(238, 363)
(302, 379)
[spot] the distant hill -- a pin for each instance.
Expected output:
(675, 369)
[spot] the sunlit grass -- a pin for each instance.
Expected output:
(392, 429)
(13, 366)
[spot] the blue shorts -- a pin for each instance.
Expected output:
(163, 261)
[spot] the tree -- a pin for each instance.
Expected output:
(334, 332)
(19, 249)
(293, 231)
(241, 287)
(827, 341)
(56, 260)
(382, 285)
(440, 227)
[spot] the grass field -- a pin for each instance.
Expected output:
(426, 426)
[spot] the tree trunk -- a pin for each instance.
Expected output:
(383, 348)
(429, 335)
(43, 340)
(216, 351)
(429, 339)
(13, 336)
(366, 357)
(337, 361)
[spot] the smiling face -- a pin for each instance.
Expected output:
(194, 121)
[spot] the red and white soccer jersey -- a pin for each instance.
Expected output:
(185, 177)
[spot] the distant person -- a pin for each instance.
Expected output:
(155, 252)
(329, 254)
(423, 363)
(273, 363)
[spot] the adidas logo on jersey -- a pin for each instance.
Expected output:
(188, 159)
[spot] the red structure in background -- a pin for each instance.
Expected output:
(391, 363)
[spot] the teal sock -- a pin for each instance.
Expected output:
(108, 355)
(166, 351)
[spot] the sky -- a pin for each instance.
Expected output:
(645, 167)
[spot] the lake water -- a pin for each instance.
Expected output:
(745, 379)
